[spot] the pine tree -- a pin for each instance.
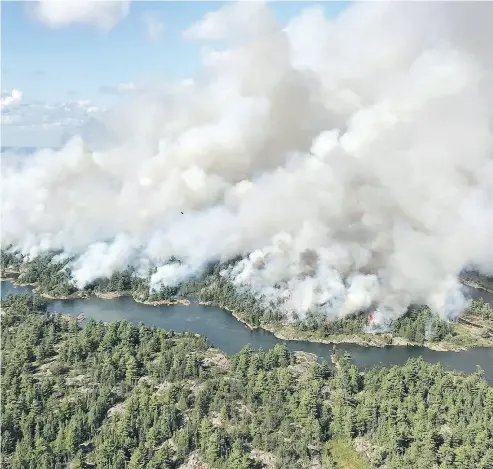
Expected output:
(238, 458)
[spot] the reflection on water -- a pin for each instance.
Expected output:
(230, 335)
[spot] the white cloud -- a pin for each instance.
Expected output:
(242, 18)
(101, 14)
(7, 99)
(37, 123)
(129, 86)
(38, 114)
(120, 88)
(154, 25)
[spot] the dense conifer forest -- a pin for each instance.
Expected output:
(121, 395)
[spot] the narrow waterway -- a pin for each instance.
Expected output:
(226, 333)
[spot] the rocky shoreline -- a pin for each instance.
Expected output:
(372, 341)
(80, 295)
(114, 295)
(282, 332)
(183, 301)
(233, 313)
(289, 334)
(473, 284)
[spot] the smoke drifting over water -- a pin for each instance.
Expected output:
(349, 161)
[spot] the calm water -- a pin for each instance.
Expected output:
(230, 335)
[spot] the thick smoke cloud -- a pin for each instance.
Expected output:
(348, 160)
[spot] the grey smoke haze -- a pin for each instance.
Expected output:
(349, 160)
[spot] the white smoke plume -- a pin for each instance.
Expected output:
(349, 160)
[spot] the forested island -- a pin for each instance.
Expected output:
(123, 395)
(419, 326)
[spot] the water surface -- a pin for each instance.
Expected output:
(226, 333)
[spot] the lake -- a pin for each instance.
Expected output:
(226, 333)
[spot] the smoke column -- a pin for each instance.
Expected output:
(349, 161)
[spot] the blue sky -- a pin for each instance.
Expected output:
(66, 70)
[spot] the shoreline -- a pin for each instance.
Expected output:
(282, 332)
(233, 313)
(183, 302)
(372, 341)
(80, 295)
(113, 295)
(473, 284)
(62, 297)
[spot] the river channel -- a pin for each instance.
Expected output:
(226, 333)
